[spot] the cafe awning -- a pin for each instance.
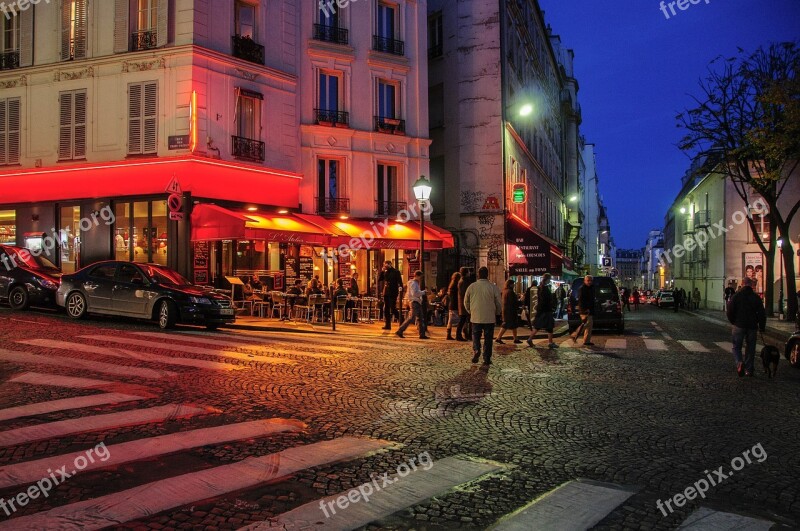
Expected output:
(212, 222)
(384, 234)
(529, 252)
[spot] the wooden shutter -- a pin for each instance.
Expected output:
(150, 118)
(122, 33)
(12, 131)
(65, 30)
(26, 37)
(3, 131)
(81, 30)
(65, 106)
(162, 36)
(79, 130)
(135, 119)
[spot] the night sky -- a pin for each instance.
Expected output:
(635, 70)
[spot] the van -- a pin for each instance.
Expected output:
(607, 309)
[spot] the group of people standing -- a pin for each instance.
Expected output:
(686, 300)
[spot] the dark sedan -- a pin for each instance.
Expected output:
(27, 279)
(145, 291)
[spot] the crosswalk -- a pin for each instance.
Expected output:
(639, 343)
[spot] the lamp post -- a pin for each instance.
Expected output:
(780, 295)
(422, 192)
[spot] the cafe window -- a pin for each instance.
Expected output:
(8, 226)
(69, 236)
(140, 232)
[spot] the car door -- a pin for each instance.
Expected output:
(99, 286)
(130, 294)
(5, 274)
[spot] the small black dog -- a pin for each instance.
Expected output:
(769, 357)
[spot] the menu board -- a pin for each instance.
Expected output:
(344, 265)
(200, 276)
(201, 255)
(306, 268)
(291, 269)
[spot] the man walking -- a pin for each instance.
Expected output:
(414, 295)
(636, 299)
(586, 311)
(544, 314)
(391, 289)
(482, 300)
(676, 300)
(746, 314)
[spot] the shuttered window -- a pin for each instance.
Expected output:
(72, 125)
(73, 29)
(9, 131)
(143, 118)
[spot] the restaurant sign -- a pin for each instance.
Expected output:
(534, 250)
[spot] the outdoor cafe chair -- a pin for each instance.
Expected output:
(278, 305)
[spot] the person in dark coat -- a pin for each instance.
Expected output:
(452, 304)
(463, 332)
(510, 313)
(544, 320)
(530, 301)
(746, 314)
(392, 280)
(586, 302)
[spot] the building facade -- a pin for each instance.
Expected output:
(627, 266)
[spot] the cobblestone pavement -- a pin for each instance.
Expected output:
(654, 410)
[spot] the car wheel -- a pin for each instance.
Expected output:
(18, 298)
(167, 315)
(794, 354)
(76, 305)
(212, 327)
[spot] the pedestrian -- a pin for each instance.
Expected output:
(452, 305)
(463, 330)
(676, 300)
(746, 314)
(530, 301)
(561, 297)
(391, 289)
(635, 299)
(696, 298)
(414, 294)
(730, 291)
(482, 300)
(586, 311)
(510, 313)
(544, 313)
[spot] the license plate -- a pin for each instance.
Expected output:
(226, 311)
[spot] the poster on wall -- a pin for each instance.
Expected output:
(753, 268)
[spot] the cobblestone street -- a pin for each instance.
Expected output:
(647, 414)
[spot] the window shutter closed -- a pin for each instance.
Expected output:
(121, 25)
(65, 30)
(149, 141)
(134, 119)
(3, 131)
(80, 29)
(26, 37)
(65, 126)
(162, 36)
(13, 136)
(79, 148)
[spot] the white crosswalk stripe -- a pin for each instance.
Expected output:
(616, 343)
(359, 343)
(725, 345)
(64, 404)
(88, 365)
(70, 382)
(704, 519)
(655, 344)
(693, 346)
(268, 344)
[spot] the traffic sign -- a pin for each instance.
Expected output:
(614, 273)
(174, 187)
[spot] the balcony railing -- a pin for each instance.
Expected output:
(247, 49)
(389, 208)
(332, 118)
(332, 205)
(435, 51)
(144, 40)
(9, 60)
(688, 227)
(332, 34)
(385, 44)
(393, 126)
(248, 149)
(702, 219)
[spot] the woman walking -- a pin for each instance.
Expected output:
(452, 304)
(544, 313)
(510, 312)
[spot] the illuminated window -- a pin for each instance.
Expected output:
(73, 29)
(245, 15)
(8, 226)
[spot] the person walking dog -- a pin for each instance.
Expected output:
(586, 311)
(544, 313)
(482, 301)
(746, 314)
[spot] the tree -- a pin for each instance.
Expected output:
(747, 121)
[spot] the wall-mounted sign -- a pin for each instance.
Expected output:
(519, 193)
(178, 142)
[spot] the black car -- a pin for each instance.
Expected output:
(145, 291)
(27, 279)
(792, 350)
(607, 304)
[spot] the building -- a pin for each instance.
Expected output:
(627, 266)
(226, 137)
(504, 123)
(651, 267)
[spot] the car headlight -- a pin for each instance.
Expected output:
(46, 284)
(200, 300)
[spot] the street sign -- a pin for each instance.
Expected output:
(174, 187)
(614, 273)
(175, 205)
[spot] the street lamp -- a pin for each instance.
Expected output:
(422, 192)
(780, 296)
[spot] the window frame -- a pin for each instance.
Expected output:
(340, 99)
(257, 125)
(74, 125)
(10, 152)
(144, 118)
(323, 182)
(396, 86)
(238, 5)
(14, 26)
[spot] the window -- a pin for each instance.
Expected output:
(9, 131)
(761, 222)
(331, 193)
(435, 39)
(245, 20)
(329, 91)
(386, 39)
(387, 99)
(72, 125)
(328, 15)
(8, 226)
(147, 15)
(248, 114)
(10, 42)
(69, 235)
(73, 29)
(386, 187)
(105, 271)
(143, 118)
(141, 227)
(386, 21)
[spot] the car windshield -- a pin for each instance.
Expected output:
(163, 275)
(31, 261)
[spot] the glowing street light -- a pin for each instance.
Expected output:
(526, 109)
(422, 192)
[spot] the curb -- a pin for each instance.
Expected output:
(778, 336)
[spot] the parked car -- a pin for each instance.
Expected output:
(145, 291)
(608, 305)
(27, 279)
(792, 350)
(665, 299)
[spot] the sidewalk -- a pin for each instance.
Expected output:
(777, 330)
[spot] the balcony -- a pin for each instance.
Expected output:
(332, 206)
(435, 51)
(702, 219)
(144, 40)
(247, 49)
(9, 60)
(332, 34)
(331, 118)
(389, 209)
(387, 45)
(248, 149)
(688, 227)
(392, 126)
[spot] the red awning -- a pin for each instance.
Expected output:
(533, 254)
(384, 234)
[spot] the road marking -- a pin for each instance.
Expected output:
(30, 471)
(574, 505)
(124, 353)
(414, 487)
(40, 408)
(266, 344)
(708, 520)
(294, 337)
(152, 498)
(88, 365)
(195, 350)
(655, 344)
(666, 336)
(62, 428)
(693, 346)
(727, 346)
(616, 343)
(56, 380)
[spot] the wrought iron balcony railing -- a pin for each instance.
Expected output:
(688, 227)
(247, 49)
(248, 149)
(332, 205)
(333, 34)
(385, 44)
(144, 40)
(333, 118)
(702, 219)
(392, 126)
(9, 60)
(389, 208)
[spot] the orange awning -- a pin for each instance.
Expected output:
(384, 234)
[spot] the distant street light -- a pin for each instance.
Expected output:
(780, 296)
(573, 198)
